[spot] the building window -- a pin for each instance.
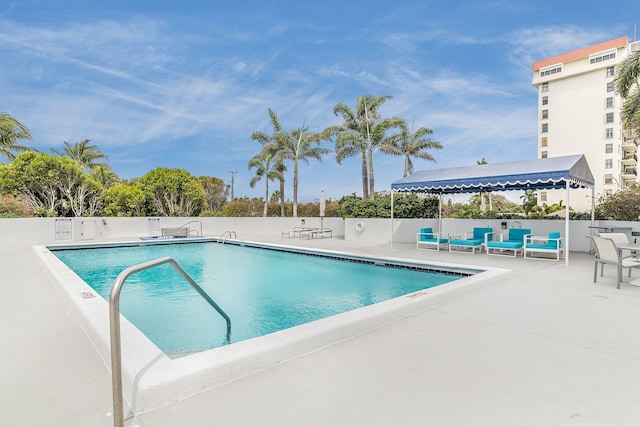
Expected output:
(609, 118)
(544, 141)
(608, 132)
(545, 127)
(608, 163)
(602, 56)
(545, 114)
(609, 102)
(553, 69)
(543, 196)
(608, 179)
(609, 86)
(611, 71)
(543, 155)
(545, 87)
(545, 100)
(608, 148)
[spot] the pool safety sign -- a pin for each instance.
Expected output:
(64, 229)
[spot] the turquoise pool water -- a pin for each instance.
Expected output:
(262, 290)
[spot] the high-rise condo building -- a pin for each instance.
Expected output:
(579, 113)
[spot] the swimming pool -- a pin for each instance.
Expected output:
(153, 379)
(262, 290)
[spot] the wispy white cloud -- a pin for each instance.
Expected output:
(532, 44)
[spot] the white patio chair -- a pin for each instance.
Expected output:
(608, 253)
(619, 238)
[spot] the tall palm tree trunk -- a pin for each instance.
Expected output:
(295, 188)
(283, 208)
(295, 194)
(371, 180)
(266, 198)
(365, 180)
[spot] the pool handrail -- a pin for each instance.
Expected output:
(194, 221)
(114, 326)
(230, 234)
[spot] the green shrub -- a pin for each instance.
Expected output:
(13, 207)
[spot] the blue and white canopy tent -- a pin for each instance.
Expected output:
(564, 172)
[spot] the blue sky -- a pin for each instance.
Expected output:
(184, 84)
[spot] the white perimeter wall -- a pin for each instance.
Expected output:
(42, 231)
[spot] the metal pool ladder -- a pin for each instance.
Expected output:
(227, 234)
(114, 326)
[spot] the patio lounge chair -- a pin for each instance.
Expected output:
(537, 247)
(295, 232)
(314, 233)
(510, 243)
(429, 240)
(473, 240)
(608, 253)
(170, 233)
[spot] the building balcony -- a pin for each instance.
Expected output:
(629, 137)
(630, 159)
(629, 175)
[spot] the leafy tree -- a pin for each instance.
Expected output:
(13, 207)
(332, 209)
(12, 131)
(123, 200)
(215, 192)
(85, 155)
(52, 186)
(498, 204)
(172, 192)
(82, 194)
(243, 207)
(405, 206)
(353, 136)
(411, 144)
(267, 169)
(626, 82)
(623, 205)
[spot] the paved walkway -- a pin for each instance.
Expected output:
(544, 346)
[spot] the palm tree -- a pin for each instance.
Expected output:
(627, 84)
(529, 200)
(268, 170)
(11, 131)
(105, 176)
(353, 136)
(378, 138)
(272, 142)
(297, 145)
(411, 144)
(83, 154)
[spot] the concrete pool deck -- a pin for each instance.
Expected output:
(543, 346)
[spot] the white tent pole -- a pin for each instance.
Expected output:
(566, 227)
(391, 237)
(440, 215)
